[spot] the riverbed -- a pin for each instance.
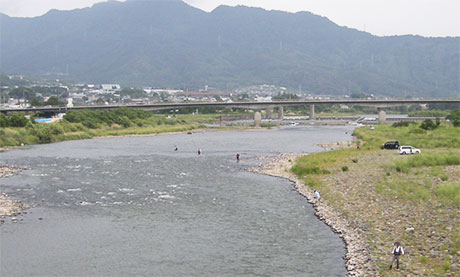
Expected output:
(134, 206)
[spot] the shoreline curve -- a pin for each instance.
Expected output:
(357, 258)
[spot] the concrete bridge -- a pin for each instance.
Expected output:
(381, 105)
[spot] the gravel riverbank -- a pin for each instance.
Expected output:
(9, 207)
(357, 256)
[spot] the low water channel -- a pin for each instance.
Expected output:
(134, 206)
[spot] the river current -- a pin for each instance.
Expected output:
(134, 206)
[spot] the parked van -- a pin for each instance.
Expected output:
(405, 150)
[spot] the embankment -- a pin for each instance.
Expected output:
(374, 197)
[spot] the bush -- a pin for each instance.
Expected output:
(94, 118)
(124, 121)
(90, 124)
(456, 123)
(42, 132)
(4, 122)
(400, 124)
(18, 120)
(429, 113)
(55, 129)
(354, 160)
(344, 168)
(444, 177)
(428, 124)
(454, 115)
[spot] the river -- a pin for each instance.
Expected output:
(134, 206)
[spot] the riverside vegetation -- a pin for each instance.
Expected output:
(83, 124)
(387, 197)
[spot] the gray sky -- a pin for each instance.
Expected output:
(379, 17)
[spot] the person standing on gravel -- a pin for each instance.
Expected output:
(397, 251)
(317, 195)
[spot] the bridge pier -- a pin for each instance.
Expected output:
(382, 115)
(281, 112)
(312, 112)
(268, 113)
(257, 119)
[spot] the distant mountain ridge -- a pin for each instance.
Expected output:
(171, 44)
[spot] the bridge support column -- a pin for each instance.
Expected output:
(382, 115)
(257, 119)
(268, 113)
(312, 112)
(281, 112)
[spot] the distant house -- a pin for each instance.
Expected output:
(263, 99)
(110, 88)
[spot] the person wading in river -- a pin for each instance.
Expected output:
(397, 251)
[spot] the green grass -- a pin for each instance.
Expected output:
(423, 260)
(420, 190)
(312, 166)
(445, 136)
(449, 193)
(455, 247)
(268, 125)
(405, 189)
(427, 159)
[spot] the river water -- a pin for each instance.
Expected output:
(134, 206)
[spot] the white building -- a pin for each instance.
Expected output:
(110, 88)
(69, 102)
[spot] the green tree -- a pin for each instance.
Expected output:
(53, 101)
(454, 117)
(133, 92)
(35, 102)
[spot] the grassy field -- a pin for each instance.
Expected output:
(388, 197)
(444, 136)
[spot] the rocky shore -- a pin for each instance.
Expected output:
(7, 170)
(9, 207)
(357, 256)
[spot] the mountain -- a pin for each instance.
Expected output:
(171, 44)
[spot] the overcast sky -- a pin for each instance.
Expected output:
(379, 17)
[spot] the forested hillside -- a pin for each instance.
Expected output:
(171, 44)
